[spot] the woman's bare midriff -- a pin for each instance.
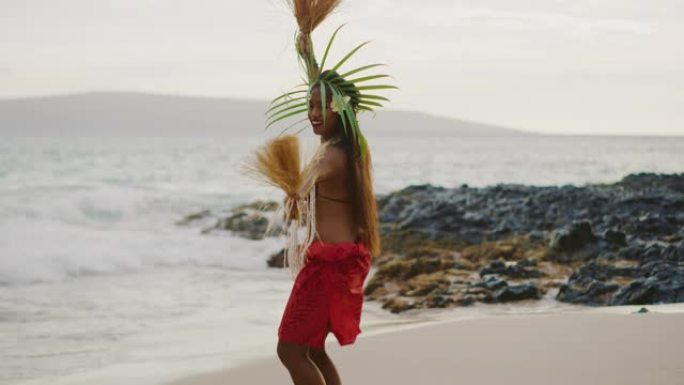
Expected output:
(334, 219)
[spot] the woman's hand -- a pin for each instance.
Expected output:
(294, 198)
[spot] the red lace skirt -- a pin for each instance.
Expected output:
(327, 295)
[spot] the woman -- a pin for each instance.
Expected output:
(327, 294)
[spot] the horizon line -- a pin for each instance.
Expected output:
(248, 99)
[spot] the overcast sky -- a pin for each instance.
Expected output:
(576, 66)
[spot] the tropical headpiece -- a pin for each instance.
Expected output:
(349, 96)
(278, 162)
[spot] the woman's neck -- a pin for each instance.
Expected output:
(332, 138)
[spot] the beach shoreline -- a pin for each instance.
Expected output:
(591, 345)
(140, 298)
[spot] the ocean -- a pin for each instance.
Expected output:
(99, 285)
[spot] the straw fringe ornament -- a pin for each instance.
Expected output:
(277, 163)
(310, 13)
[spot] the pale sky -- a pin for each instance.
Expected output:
(575, 67)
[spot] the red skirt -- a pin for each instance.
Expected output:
(327, 295)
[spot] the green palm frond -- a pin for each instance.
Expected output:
(323, 100)
(347, 56)
(363, 145)
(373, 97)
(377, 87)
(348, 110)
(287, 94)
(366, 67)
(284, 103)
(357, 135)
(295, 102)
(292, 124)
(286, 108)
(337, 95)
(330, 42)
(369, 103)
(301, 129)
(349, 121)
(366, 78)
(307, 60)
(364, 108)
(286, 116)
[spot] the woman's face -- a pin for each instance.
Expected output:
(332, 119)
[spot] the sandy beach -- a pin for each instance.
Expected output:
(591, 346)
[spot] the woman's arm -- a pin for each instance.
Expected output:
(330, 164)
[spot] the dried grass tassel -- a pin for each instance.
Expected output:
(274, 164)
(296, 249)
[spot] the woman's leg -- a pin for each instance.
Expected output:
(325, 365)
(296, 359)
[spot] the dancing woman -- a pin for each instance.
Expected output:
(332, 264)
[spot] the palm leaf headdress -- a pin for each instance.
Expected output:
(349, 96)
(278, 162)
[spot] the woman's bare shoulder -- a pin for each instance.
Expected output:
(336, 157)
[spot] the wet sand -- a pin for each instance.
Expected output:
(592, 346)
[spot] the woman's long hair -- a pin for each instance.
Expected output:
(363, 198)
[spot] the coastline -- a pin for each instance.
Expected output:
(588, 345)
(102, 330)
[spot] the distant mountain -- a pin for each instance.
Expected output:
(114, 113)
